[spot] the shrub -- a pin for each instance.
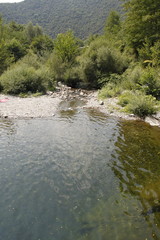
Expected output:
(42, 44)
(22, 79)
(100, 59)
(47, 78)
(15, 49)
(66, 46)
(71, 77)
(131, 78)
(125, 98)
(110, 90)
(56, 67)
(138, 103)
(150, 81)
(32, 60)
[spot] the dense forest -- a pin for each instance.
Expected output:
(82, 16)
(123, 62)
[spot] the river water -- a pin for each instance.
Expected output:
(79, 176)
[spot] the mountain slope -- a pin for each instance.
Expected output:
(84, 17)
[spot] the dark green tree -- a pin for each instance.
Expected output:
(32, 31)
(142, 22)
(15, 49)
(42, 44)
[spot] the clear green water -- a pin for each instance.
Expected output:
(79, 175)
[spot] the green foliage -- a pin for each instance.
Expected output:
(63, 71)
(150, 54)
(113, 23)
(42, 44)
(131, 77)
(22, 79)
(30, 74)
(32, 31)
(150, 82)
(126, 98)
(112, 87)
(5, 60)
(83, 17)
(57, 67)
(66, 46)
(32, 60)
(142, 22)
(71, 77)
(99, 61)
(110, 90)
(138, 103)
(155, 49)
(15, 50)
(16, 31)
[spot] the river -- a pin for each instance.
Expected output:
(79, 176)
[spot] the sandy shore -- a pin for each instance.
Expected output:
(48, 105)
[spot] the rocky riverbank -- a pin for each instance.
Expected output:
(48, 105)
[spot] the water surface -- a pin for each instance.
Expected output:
(79, 175)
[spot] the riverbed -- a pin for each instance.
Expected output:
(48, 105)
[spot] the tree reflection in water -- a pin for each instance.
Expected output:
(137, 167)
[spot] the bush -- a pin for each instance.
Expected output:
(22, 79)
(71, 77)
(131, 78)
(110, 90)
(125, 98)
(150, 82)
(32, 60)
(47, 78)
(138, 103)
(100, 59)
(56, 67)
(42, 44)
(15, 49)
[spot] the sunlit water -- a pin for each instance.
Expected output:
(79, 175)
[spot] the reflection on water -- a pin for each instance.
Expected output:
(137, 166)
(79, 175)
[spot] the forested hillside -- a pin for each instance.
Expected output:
(84, 17)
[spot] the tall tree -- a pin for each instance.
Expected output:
(33, 31)
(142, 22)
(113, 23)
(66, 46)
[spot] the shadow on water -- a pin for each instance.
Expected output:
(137, 166)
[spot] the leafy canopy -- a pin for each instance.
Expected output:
(66, 46)
(142, 22)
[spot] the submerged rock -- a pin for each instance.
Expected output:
(154, 209)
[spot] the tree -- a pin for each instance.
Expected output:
(113, 23)
(42, 44)
(5, 60)
(15, 49)
(32, 31)
(142, 22)
(66, 46)
(2, 30)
